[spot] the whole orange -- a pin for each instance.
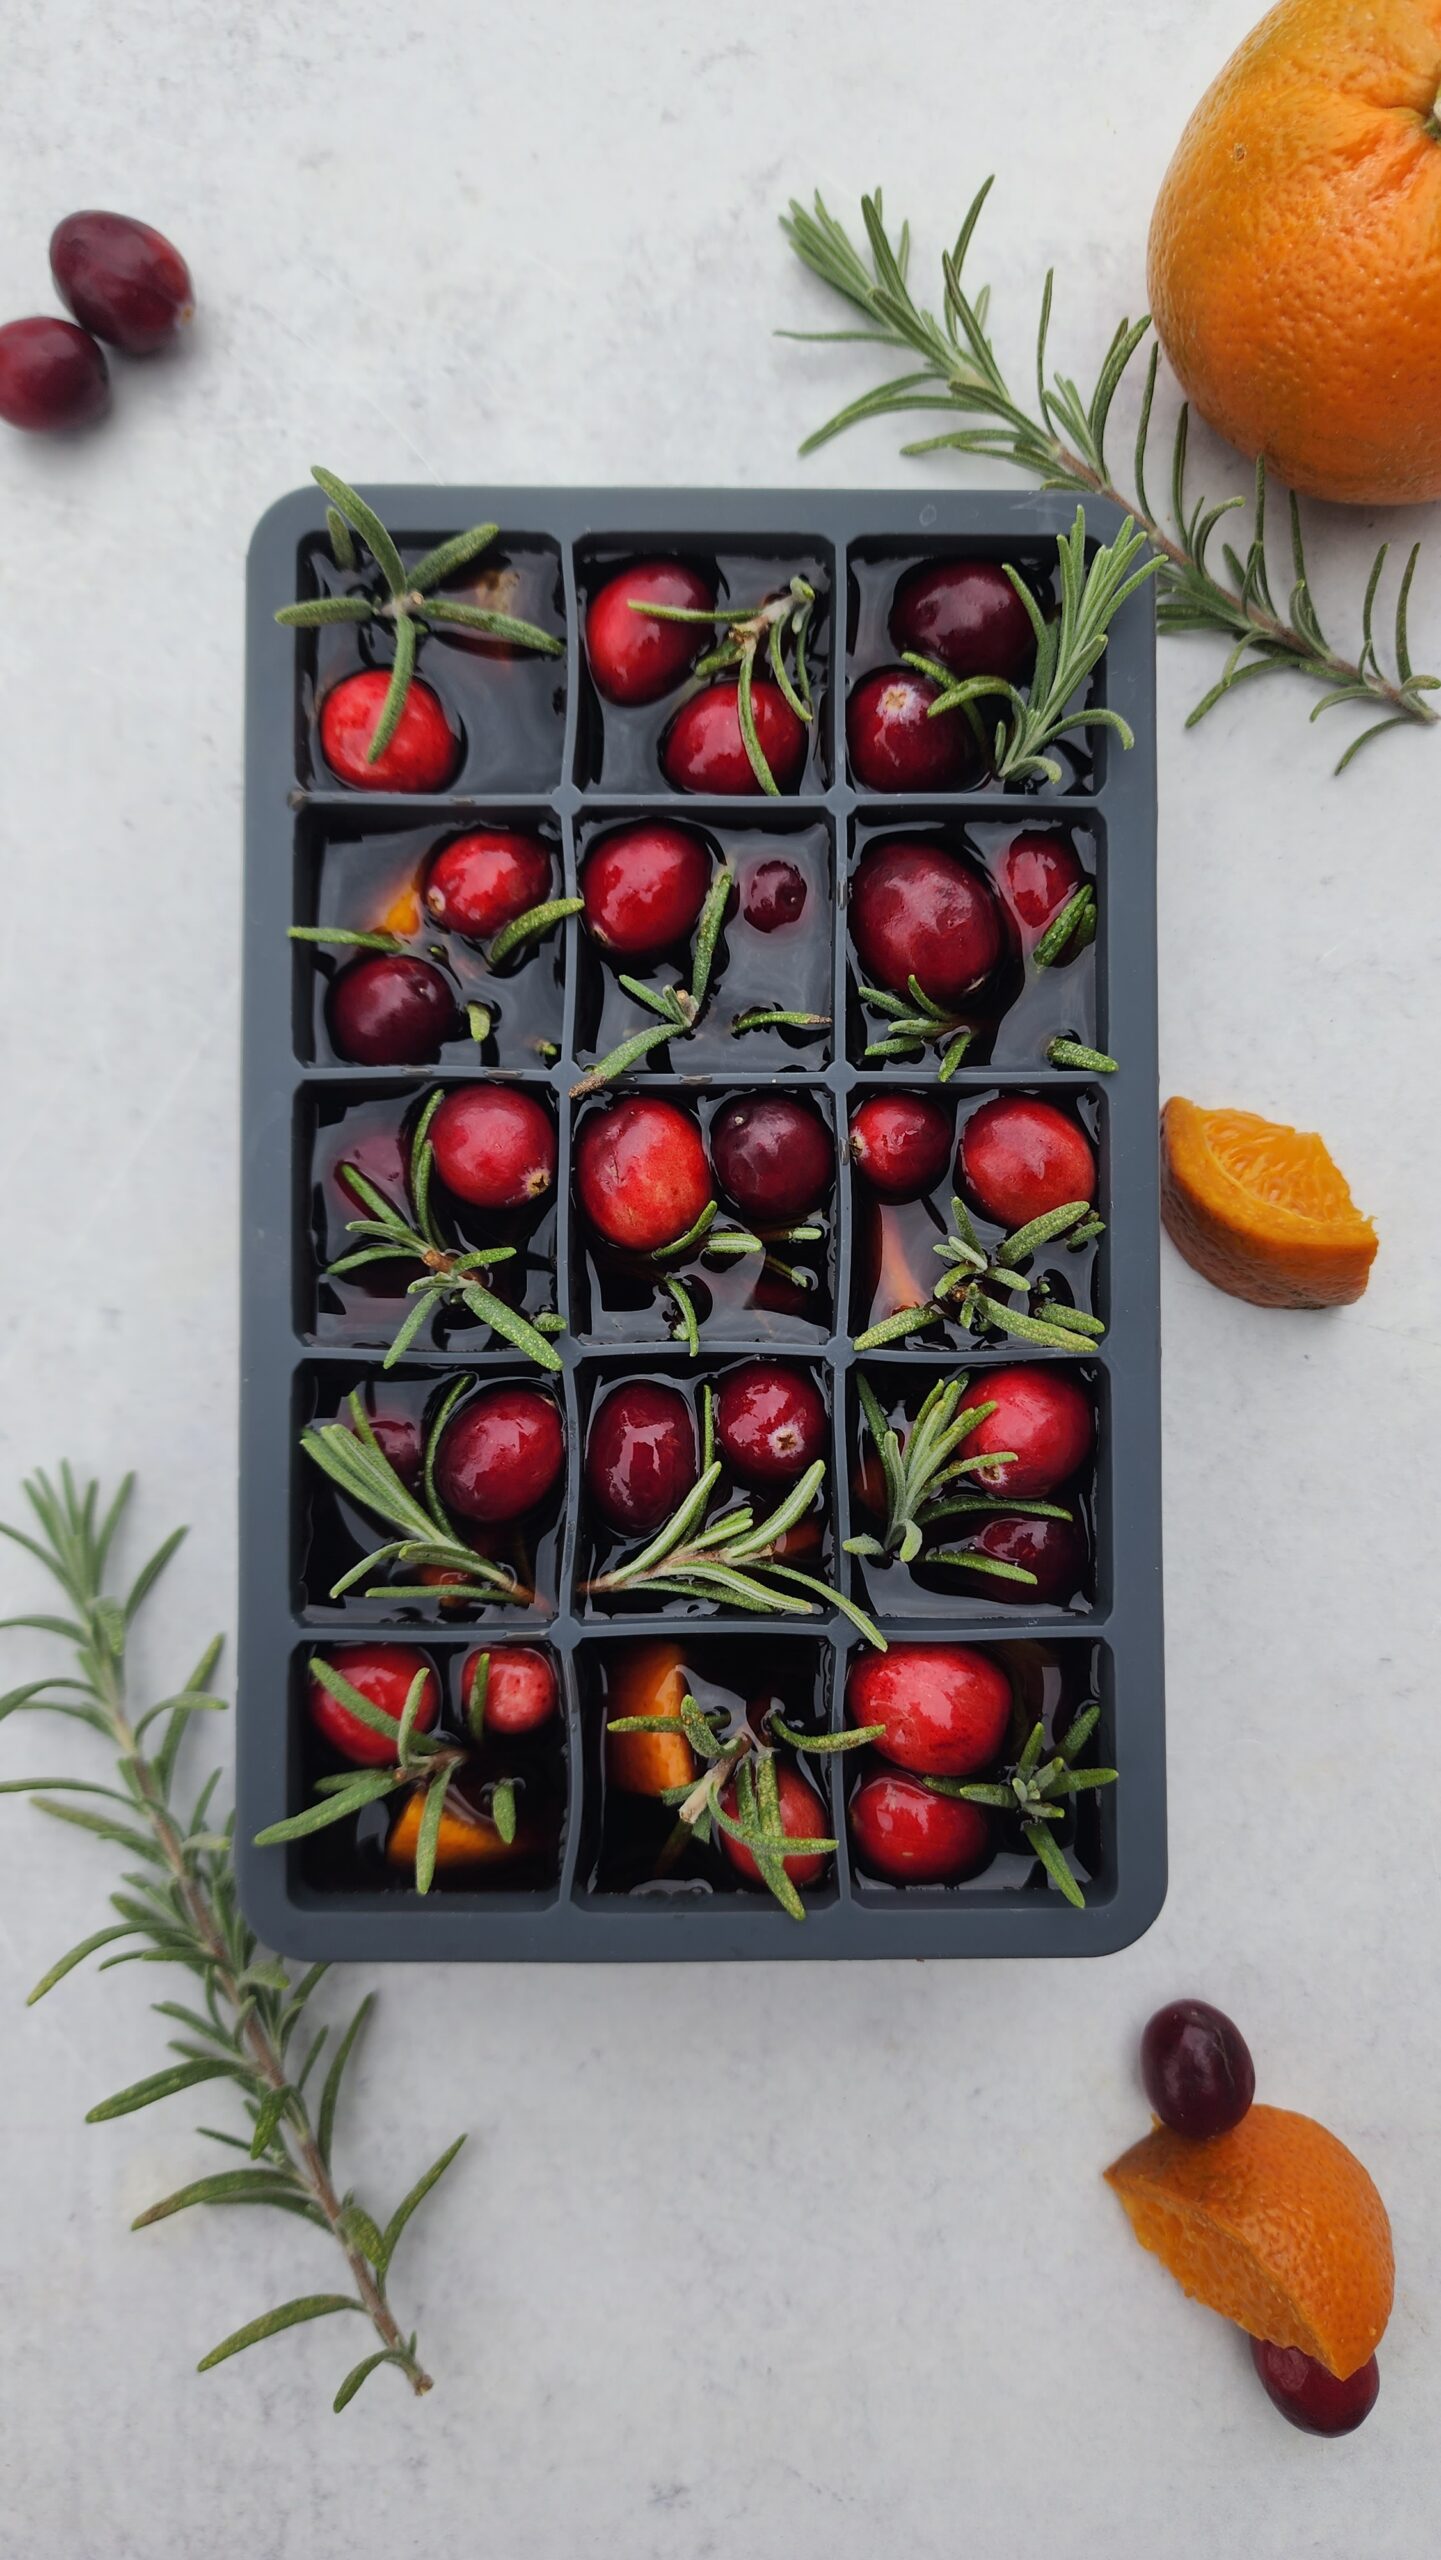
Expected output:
(1295, 254)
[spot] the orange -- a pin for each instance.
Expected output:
(1276, 2225)
(647, 1680)
(465, 1839)
(1260, 1210)
(1295, 257)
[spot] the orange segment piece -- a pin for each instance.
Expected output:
(465, 1839)
(1261, 1210)
(402, 914)
(647, 1680)
(1276, 2225)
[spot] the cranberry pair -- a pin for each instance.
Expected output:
(967, 619)
(125, 284)
(945, 1712)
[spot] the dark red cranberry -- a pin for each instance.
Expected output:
(480, 882)
(121, 279)
(51, 376)
(494, 1146)
(1019, 1158)
(382, 1674)
(1052, 1552)
(399, 1441)
(946, 1708)
(770, 1422)
(641, 1173)
(906, 1835)
(895, 745)
(919, 912)
(773, 1157)
(1314, 2400)
(1038, 875)
(773, 894)
(635, 657)
(967, 614)
(521, 1689)
(703, 749)
(390, 1010)
(422, 755)
(902, 1143)
(1042, 1417)
(803, 1817)
(1196, 2068)
(501, 1454)
(644, 887)
(640, 1454)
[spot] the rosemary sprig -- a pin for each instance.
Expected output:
(1038, 1792)
(780, 626)
(352, 1457)
(679, 1008)
(1069, 932)
(1061, 441)
(530, 927)
(915, 1021)
(706, 1237)
(975, 1286)
(918, 1468)
(447, 1277)
(179, 1906)
(408, 604)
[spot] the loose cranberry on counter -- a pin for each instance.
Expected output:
(641, 1173)
(480, 882)
(521, 1689)
(894, 743)
(121, 279)
(399, 1440)
(773, 894)
(383, 1674)
(703, 749)
(773, 1157)
(1314, 2400)
(495, 1146)
(1052, 1552)
(1043, 1417)
(644, 887)
(423, 754)
(391, 1010)
(966, 614)
(1196, 2068)
(946, 1708)
(641, 1457)
(803, 1817)
(501, 1454)
(906, 1835)
(919, 912)
(770, 1422)
(902, 1143)
(52, 376)
(1019, 1158)
(1038, 875)
(635, 657)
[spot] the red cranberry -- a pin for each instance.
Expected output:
(1052, 1552)
(501, 1454)
(770, 1422)
(122, 280)
(773, 894)
(902, 1143)
(641, 1173)
(51, 375)
(1196, 2068)
(644, 887)
(946, 1708)
(1038, 875)
(908, 1836)
(803, 1817)
(919, 912)
(703, 749)
(398, 1438)
(494, 1146)
(967, 614)
(480, 882)
(389, 1010)
(521, 1689)
(640, 1454)
(382, 1673)
(773, 1157)
(895, 744)
(1041, 1415)
(635, 657)
(1314, 2400)
(1018, 1158)
(422, 755)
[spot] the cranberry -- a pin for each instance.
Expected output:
(1043, 1417)
(640, 1454)
(902, 1143)
(636, 657)
(946, 1708)
(773, 1157)
(644, 886)
(909, 1836)
(773, 894)
(967, 614)
(1038, 874)
(770, 1421)
(494, 1146)
(521, 1689)
(383, 1674)
(389, 1010)
(422, 755)
(398, 1438)
(895, 744)
(919, 912)
(803, 1817)
(1196, 2068)
(1317, 2402)
(703, 749)
(480, 882)
(501, 1454)
(122, 280)
(51, 375)
(1019, 1158)
(641, 1173)
(1052, 1552)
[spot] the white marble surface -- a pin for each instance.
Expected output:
(755, 2263)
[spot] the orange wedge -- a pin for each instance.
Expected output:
(1276, 2225)
(1260, 1210)
(465, 1839)
(647, 1680)
(402, 914)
